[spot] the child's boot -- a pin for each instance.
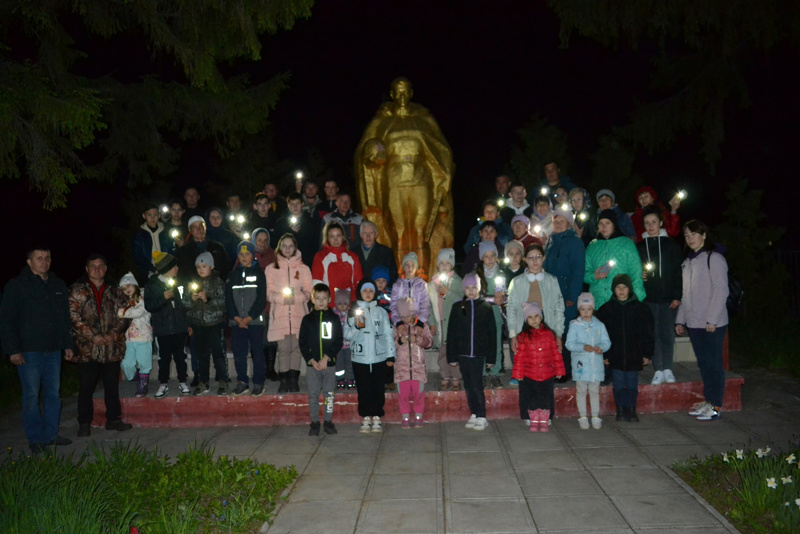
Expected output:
(141, 390)
(544, 416)
(534, 416)
(283, 386)
(294, 386)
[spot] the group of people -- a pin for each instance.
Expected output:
(328, 297)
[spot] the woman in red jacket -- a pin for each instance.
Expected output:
(334, 265)
(536, 362)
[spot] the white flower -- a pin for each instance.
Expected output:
(739, 454)
(790, 459)
(767, 450)
(761, 453)
(797, 502)
(725, 457)
(787, 480)
(771, 483)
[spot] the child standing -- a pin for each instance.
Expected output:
(632, 333)
(372, 347)
(537, 363)
(162, 300)
(493, 285)
(320, 341)
(587, 340)
(471, 338)
(205, 310)
(344, 363)
(409, 368)
(383, 291)
(444, 290)
(138, 337)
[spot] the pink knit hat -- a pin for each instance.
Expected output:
(531, 308)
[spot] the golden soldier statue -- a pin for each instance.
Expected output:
(404, 170)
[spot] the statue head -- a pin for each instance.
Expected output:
(401, 91)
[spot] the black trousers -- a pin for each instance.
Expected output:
(171, 348)
(88, 373)
(208, 345)
(472, 374)
(537, 395)
(371, 384)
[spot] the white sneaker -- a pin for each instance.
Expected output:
(597, 423)
(184, 388)
(709, 414)
(376, 424)
(527, 422)
(669, 378)
(471, 421)
(583, 422)
(658, 378)
(163, 389)
(480, 423)
(699, 408)
(366, 425)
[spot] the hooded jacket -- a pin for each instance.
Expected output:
(35, 315)
(537, 357)
(211, 312)
(417, 291)
(337, 268)
(89, 321)
(143, 249)
(140, 329)
(631, 330)
(246, 294)
(587, 366)
(623, 251)
(375, 342)
(705, 290)
(168, 317)
(291, 272)
(320, 335)
(410, 357)
(672, 221)
(471, 331)
(565, 258)
(664, 283)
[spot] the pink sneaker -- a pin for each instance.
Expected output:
(418, 421)
(406, 423)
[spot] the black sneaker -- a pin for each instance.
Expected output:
(84, 430)
(241, 389)
(257, 391)
(195, 381)
(58, 440)
(496, 383)
(314, 430)
(222, 388)
(329, 428)
(118, 425)
(202, 389)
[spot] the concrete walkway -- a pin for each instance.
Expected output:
(444, 478)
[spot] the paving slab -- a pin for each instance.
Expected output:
(416, 486)
(496, 515)
(643, 511)
(576, 513)
(401, 516)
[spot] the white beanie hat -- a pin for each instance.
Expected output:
(128, 279)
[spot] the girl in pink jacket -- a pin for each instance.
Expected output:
(288, 292)
(409, 365)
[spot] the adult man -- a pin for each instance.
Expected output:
(99, 335)
(192, 198)
(350, 220)
(310, 197)
(606, 200)
(175, 227)
(518, 204)
(149, 238)
(326, 206)
(502, 185)
(235, 217)
(196, 245)
(490, 213)
(298, 222)
(277, 204)
(35, 328)
(371, 253)
(553, 179)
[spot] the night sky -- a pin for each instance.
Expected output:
(482, 69)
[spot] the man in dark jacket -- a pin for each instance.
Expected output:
(196, 245)
(371, 253)
(151, 237)
(299, 223)
(35, 328)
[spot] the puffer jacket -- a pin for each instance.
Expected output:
(212, 311)
(285, 319)
(87, 322)
(631, 330)
(623, 251)
(471, 331)
(375, 342)
(537, 356)
(454, 294)
(664, 283)
(410, 362)
(417, 291)
(552, 303)
(565, 258)
(587, 366)
(338, 268)
(705, 290)
(246, 294)
(140, 330)
(168, 317)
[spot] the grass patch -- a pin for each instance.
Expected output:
(756, 490)
(129, 486)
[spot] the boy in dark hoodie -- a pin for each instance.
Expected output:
(321, 340)
(630, 327)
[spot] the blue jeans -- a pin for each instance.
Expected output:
(40, 372)
(254, 337)
(626, 388)
(708, 351)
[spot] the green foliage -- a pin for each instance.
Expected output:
(759, 491)
(127, 485)
(703, 51)
(748, 243)
(539, 143)
(613, 168)
(53, 118)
